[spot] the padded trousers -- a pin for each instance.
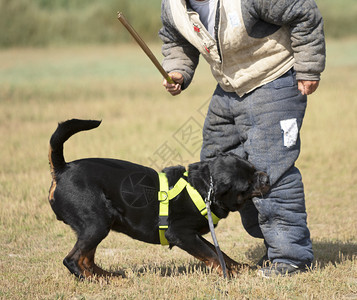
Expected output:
(263, 127)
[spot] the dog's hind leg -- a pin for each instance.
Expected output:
(89, 264)
(80, 261)
(72, 262)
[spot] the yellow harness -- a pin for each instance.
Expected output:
(165, 195)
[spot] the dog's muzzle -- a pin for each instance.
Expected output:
(261, 183)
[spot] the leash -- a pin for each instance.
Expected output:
(211, 227)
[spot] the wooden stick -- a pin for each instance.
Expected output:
(143, 46)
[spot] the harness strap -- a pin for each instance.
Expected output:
(165, 195)
(163, 198)
(200, 204)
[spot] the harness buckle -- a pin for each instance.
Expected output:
(163, 196)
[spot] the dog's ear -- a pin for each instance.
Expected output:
(199, 176)
(174, 174)
(231, 173)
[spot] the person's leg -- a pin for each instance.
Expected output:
(272, 144)
(221, 134)
(282, 219)
(249, 216)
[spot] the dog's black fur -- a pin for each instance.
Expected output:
(97, 195)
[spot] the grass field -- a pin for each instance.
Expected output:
(40, 87)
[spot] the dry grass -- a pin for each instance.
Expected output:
(38, 88)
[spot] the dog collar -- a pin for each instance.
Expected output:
(165, 195)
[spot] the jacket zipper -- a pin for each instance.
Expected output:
(218, 15)
(197, 28)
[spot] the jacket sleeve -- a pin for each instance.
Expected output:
(179, 54)
(306, 28)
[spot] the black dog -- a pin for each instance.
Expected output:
(97, 195)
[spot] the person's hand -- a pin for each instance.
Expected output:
(174, 88)
(307, 87)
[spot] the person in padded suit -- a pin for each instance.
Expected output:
(266, 56)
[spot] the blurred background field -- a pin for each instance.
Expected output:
(63, 22)
(80, 63)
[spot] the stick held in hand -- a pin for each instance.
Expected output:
(143, 46)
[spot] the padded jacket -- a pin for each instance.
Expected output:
(255, 42)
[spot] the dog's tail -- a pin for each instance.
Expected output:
(63, 132)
